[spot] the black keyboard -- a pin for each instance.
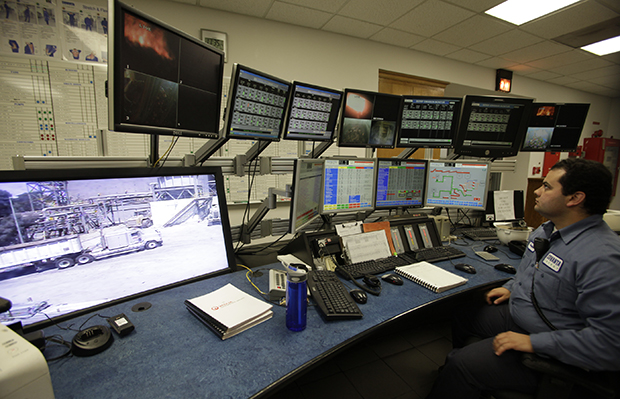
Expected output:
(377, 266)
(481, 233)
(331, 296)
(436, 254)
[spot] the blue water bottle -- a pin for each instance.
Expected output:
(296, 296)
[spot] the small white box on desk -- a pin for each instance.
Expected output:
(23, 369)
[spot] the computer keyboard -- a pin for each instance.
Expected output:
(436, 254)
(331, 296)
(377, 266)
(481, 233)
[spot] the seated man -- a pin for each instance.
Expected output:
(575, 285)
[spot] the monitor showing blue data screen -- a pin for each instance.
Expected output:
(312, 113)
(256, 105)
(457, 184)
(348, 185)
(492, 127)
(369, 119)
(160, 79)
(78, 240)
(306, 197)
(555, 127)
(430, 122)
(400, 183)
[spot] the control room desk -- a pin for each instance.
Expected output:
(171, 354)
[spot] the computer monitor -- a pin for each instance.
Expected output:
(492, 127)
(369, 119)
(505, 206)
(555, 127)
(457, 184)
(161, 80)
(430, 122)
(400, 183)
(307, 178)
(348, 186)
(256, 105)
(312, 113)
(77, 240)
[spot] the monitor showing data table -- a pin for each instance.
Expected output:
(348, 185)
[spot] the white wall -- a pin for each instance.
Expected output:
(337, 61)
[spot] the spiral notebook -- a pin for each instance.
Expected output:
(430, 276)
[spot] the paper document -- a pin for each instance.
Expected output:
(367, 246)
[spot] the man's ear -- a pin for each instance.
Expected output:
(576, 199)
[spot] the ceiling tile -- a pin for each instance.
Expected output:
(562, 59)
(607, 81)
(435, 47)
(573, 18)
(612, 4)
(468, 56)
(431, 18)
(536, 52)
(297, 15)
(472, 30)
(192, 2)
(524, 70)
(563, 80)
(614, 57)
(497, 63)
(351, 27)
(255, 8)
(544, 75)
(382, 12)
(396, 37)
(476, 5)
(321, 5)
(579, 67)
(597, 73)
(586, 86)
(506, 42)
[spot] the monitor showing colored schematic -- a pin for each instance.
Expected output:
(457, 184)
(348, 185)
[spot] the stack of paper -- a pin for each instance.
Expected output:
(228, 311)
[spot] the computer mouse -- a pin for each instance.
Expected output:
(392, 278)
(358, 296)
(464, 267)
(490, 249)
(372, 281)
(504, 267)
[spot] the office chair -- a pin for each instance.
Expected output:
(561, 381)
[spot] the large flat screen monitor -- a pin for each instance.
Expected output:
(348, 186)
(430, 122)
(77, 240)
(492, 127)
(312, 113)
(161, 80)
(555, 127)
(307, 178)
(400, 183)
(256, 105)
(369, 119)
(457, 184)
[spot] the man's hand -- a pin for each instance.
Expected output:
(512, 340)
(497, 295)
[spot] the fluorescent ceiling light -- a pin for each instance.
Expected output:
(519, 12)
(604, 47)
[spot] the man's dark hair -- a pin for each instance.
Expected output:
(591, 177)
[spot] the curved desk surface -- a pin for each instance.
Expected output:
(172, 354)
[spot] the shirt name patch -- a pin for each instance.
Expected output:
(530, 246)
(553, 262)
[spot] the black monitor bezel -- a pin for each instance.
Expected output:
(518, 200)
(421, 205)
(232, 93)
(455, 122)
(297, 136)
(490, 151)
(341, 119)
(115, 84)
(112, 173)
(564, 148)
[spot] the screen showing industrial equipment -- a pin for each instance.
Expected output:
(457, 184)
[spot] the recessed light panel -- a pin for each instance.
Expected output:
(604, 47)
(519, 12)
